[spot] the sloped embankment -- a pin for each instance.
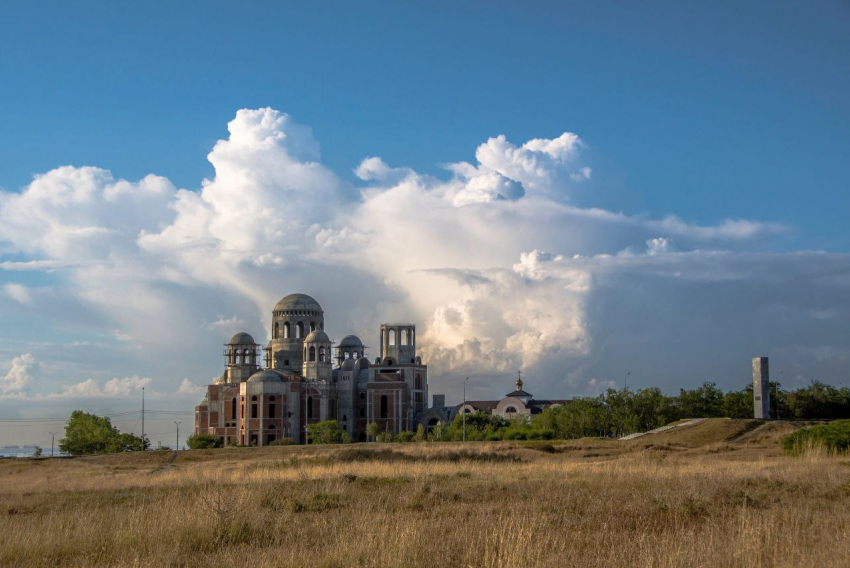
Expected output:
(703, 433)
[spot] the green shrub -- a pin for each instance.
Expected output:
(834, 437)
(327, 432)
(421, 435)
(385, 437)
(405, 436)
(513, 434)
(282, 442)
(541, 434)
(203, 442)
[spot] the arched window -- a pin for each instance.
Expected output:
(346, 355)
(391, 340)
(354, 354)
(384, 411)
(309, 407)
(299, 330)
(405, 337)
(233, 408)
(321, 354)
(276, 332)
(344, 418)
(246, 357)
(510, 410)
(253, 407)
(286, 330)
(312, 326)
(312, 353)
(271, 407)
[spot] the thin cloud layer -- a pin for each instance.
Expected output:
(497, 267)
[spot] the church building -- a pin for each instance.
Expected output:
(301, 377)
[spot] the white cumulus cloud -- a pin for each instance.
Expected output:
(19, 375)
(495, 265)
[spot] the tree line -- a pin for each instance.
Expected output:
(614, 413)
(618, 413)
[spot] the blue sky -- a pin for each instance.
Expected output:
(729, 109)
(579, 190)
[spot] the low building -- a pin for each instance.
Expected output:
(516, 403)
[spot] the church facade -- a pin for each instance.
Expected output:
(301, 377)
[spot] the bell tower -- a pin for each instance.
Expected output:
(241, 355)
(398, 342)
(317, 356)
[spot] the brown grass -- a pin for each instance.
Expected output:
(650, 502)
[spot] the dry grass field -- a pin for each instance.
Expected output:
(716, 494)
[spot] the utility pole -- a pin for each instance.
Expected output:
(177, 440)
(143, 418)
(52, 439)
(464, 408)
(625, 380)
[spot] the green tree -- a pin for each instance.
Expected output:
(479, 425)
(439, 433)
(421, 435)
(327, 432)
(90, 434)
(203, 442)
(372, 430)
(739, 404)
(37, 452)
(577, 419)
(818, 400)
(704, 402)
(653, 409)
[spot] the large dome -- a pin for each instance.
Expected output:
(267, 376)
(350, 341)
(241, 338)
(298, 302)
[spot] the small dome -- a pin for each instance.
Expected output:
(361, 364)
(350, 341)
(241, 338)
(300, 302)
(221, 380)
(347, 365)
(317, 336)
(266, 376)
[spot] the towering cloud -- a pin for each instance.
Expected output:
(492, 260)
